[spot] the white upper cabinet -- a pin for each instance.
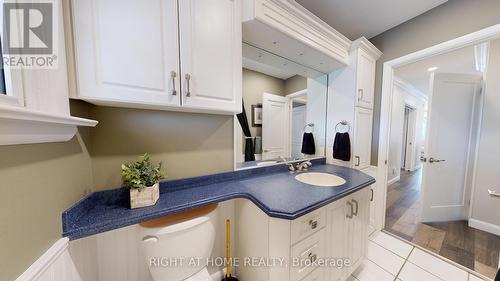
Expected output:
(131, 53)
(365, 80)
(127, 51)
(352, 91)
(211, 59)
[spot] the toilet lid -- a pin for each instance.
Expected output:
(202, 275)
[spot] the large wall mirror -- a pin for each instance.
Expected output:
(285, 111)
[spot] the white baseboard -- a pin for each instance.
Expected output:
(393, 180)
(485, 226)
(48, 266)
(218, 275)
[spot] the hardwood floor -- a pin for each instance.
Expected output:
(472, 248)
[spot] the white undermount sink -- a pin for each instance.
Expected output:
(320, 179)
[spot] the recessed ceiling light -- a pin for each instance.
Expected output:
(431, 69)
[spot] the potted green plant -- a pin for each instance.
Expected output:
(142, 178)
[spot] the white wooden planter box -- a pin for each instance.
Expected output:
(144, 197)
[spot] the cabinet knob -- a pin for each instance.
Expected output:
(313, 224)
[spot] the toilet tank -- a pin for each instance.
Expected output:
(178, 249)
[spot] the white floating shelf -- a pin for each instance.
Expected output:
(22, 126)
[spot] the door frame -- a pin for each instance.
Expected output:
(481, 36)
(287, 129)
(290, 97)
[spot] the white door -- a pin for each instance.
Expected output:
(127, 51)
(275, 123)
(299, 119)
(362, 138)
(210, 42)
(445, 194)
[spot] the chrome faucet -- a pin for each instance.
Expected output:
(291, 168)
(303, 166)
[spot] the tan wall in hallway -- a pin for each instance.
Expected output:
(450, 20)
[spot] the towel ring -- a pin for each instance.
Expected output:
(343, 123)
(310, 125)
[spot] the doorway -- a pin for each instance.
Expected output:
(409, 128)
(442, 206)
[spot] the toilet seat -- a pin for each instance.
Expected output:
(202, 275)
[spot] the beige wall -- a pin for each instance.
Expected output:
(37, 183)
(294, 84)
(450, 20)
(188, 144)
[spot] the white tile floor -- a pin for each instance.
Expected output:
(391, 259)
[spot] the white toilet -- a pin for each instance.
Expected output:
(186, 236)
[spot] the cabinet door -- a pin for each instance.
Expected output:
(362, 138)
(210, 41)
(337, 239)
(365, 80)
(127, 51)
(358, 227)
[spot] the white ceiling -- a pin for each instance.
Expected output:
(368, 18)
(268, 63)
(458, 61)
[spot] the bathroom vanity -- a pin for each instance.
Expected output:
(333, 234)
(275, 215)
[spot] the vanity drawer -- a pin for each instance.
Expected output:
(317, 275)
(307, 225)
(305, 253)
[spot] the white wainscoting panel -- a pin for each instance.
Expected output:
(111, 256)
(54, 265)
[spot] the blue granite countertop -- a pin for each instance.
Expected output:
(272, 189)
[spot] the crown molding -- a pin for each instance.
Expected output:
(367, 46)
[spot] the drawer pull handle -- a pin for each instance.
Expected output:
(173, 75)
(349, 215)
(360, 94)
(313, 224)
(356, 208)
(358, 161)
(371, 198)
(312, 257)
(188, 86)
